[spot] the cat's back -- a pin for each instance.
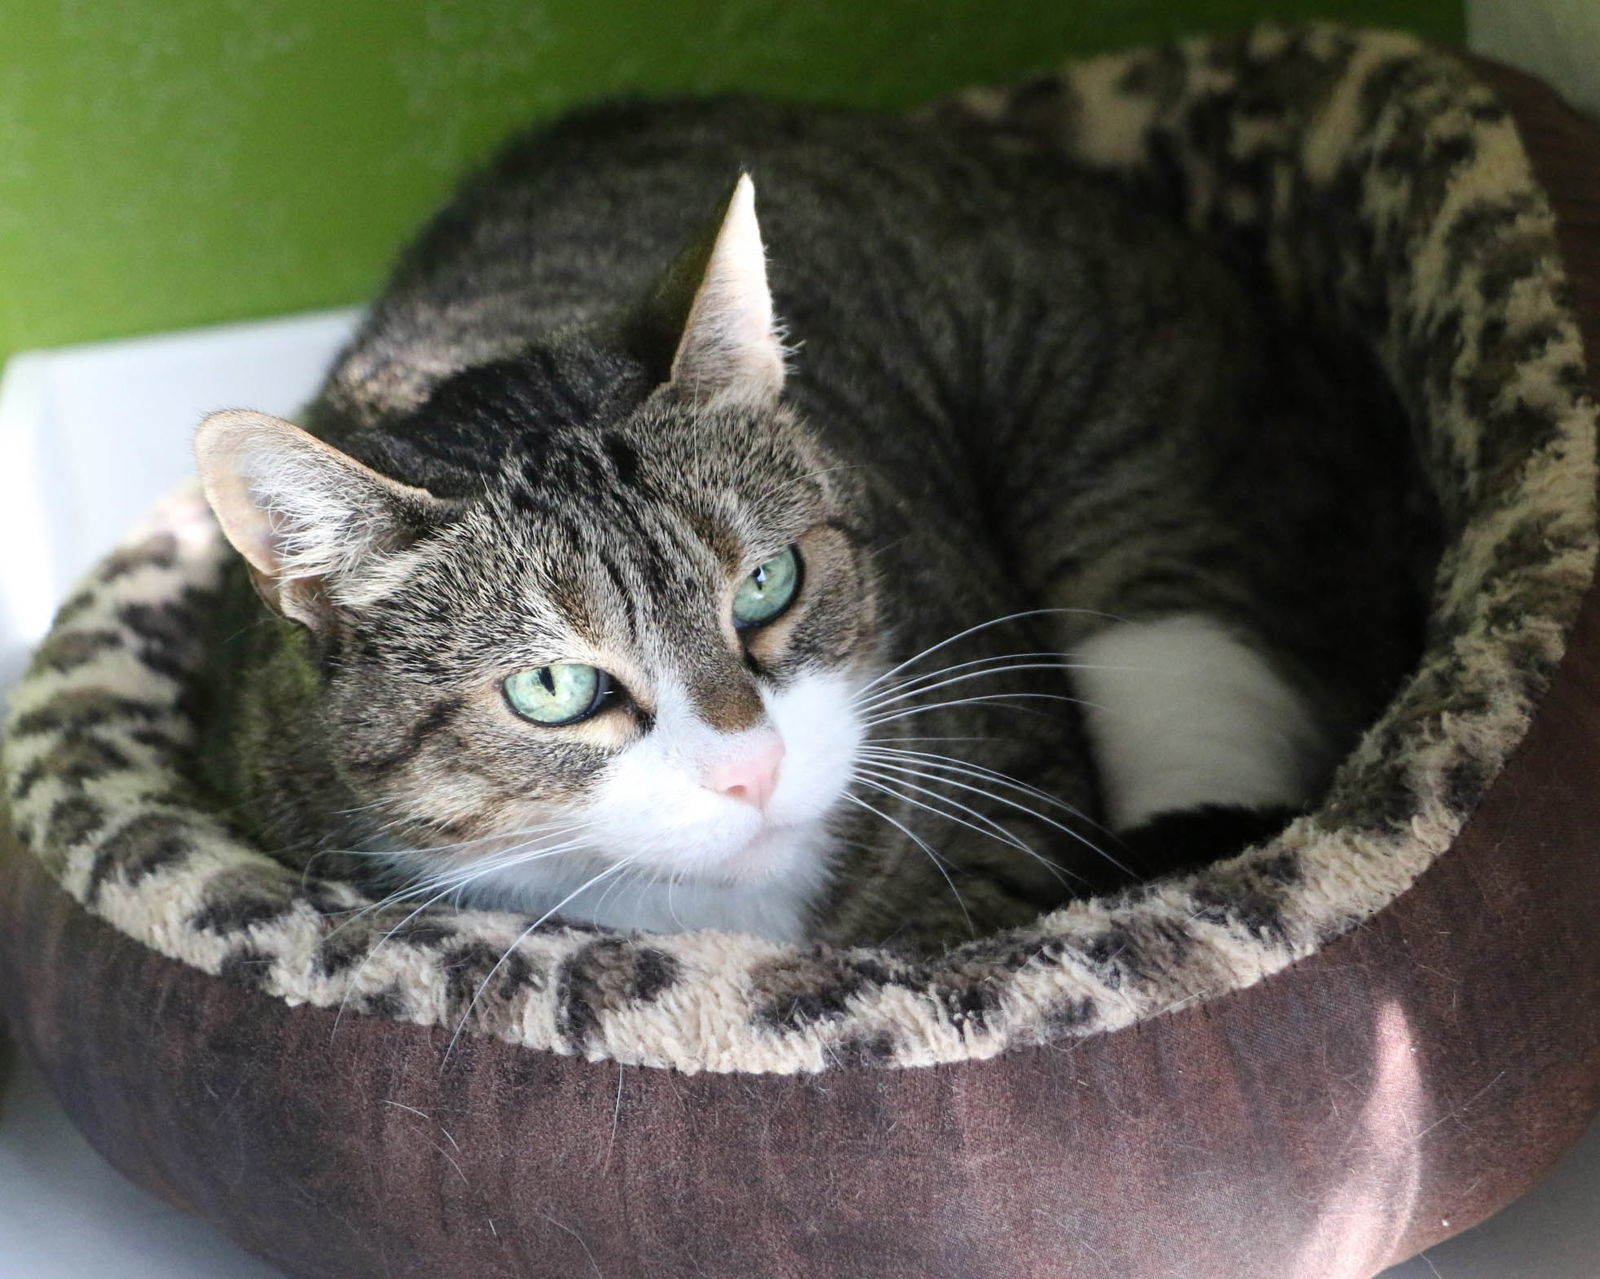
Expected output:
(875, 225)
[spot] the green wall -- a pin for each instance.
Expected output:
(166, 163)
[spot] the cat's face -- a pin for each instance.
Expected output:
(654, 668)
(632, 643)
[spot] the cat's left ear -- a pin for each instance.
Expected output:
(304, 515)
(715, 304)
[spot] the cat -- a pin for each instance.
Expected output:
(947, 539)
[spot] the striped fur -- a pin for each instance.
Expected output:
(1014, 393)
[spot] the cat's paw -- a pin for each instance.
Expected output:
(1188, 838)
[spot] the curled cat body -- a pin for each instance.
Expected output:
(878, 554)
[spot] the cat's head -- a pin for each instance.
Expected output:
(632, 642)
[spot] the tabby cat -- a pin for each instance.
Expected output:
(958, 539)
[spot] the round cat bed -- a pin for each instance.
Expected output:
(1311, 1060)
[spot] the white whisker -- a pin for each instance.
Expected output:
(1003, 835)
(912, 680)
(449, 882)
(874, 721)
(452, 883)
(543, 828)
(1020, 807)
(982, 772)
(883, 782)
(982, 626)
(922, 844)
(472, 1003)
(897, 695)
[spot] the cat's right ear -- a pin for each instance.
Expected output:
(303, 514)
(708, 323)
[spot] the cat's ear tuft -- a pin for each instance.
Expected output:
(716, 304)
(303, 514)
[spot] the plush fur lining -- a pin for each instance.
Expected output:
(1375, 181)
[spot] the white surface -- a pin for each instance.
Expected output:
(67, 1214)
(91, 435)
(88, 438)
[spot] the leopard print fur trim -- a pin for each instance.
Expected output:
(1373, 177)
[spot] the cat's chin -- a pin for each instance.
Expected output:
(771, 854)
(765, 886)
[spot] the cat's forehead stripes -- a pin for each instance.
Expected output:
(638, 575)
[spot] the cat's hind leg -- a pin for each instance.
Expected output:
(1201, 744)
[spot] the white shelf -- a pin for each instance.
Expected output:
(91, 435)
(67, 1214)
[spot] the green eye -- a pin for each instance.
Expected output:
(561, 694)
(766, 593)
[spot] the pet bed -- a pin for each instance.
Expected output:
(1311, 1060)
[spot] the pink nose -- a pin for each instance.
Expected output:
(750, 775)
